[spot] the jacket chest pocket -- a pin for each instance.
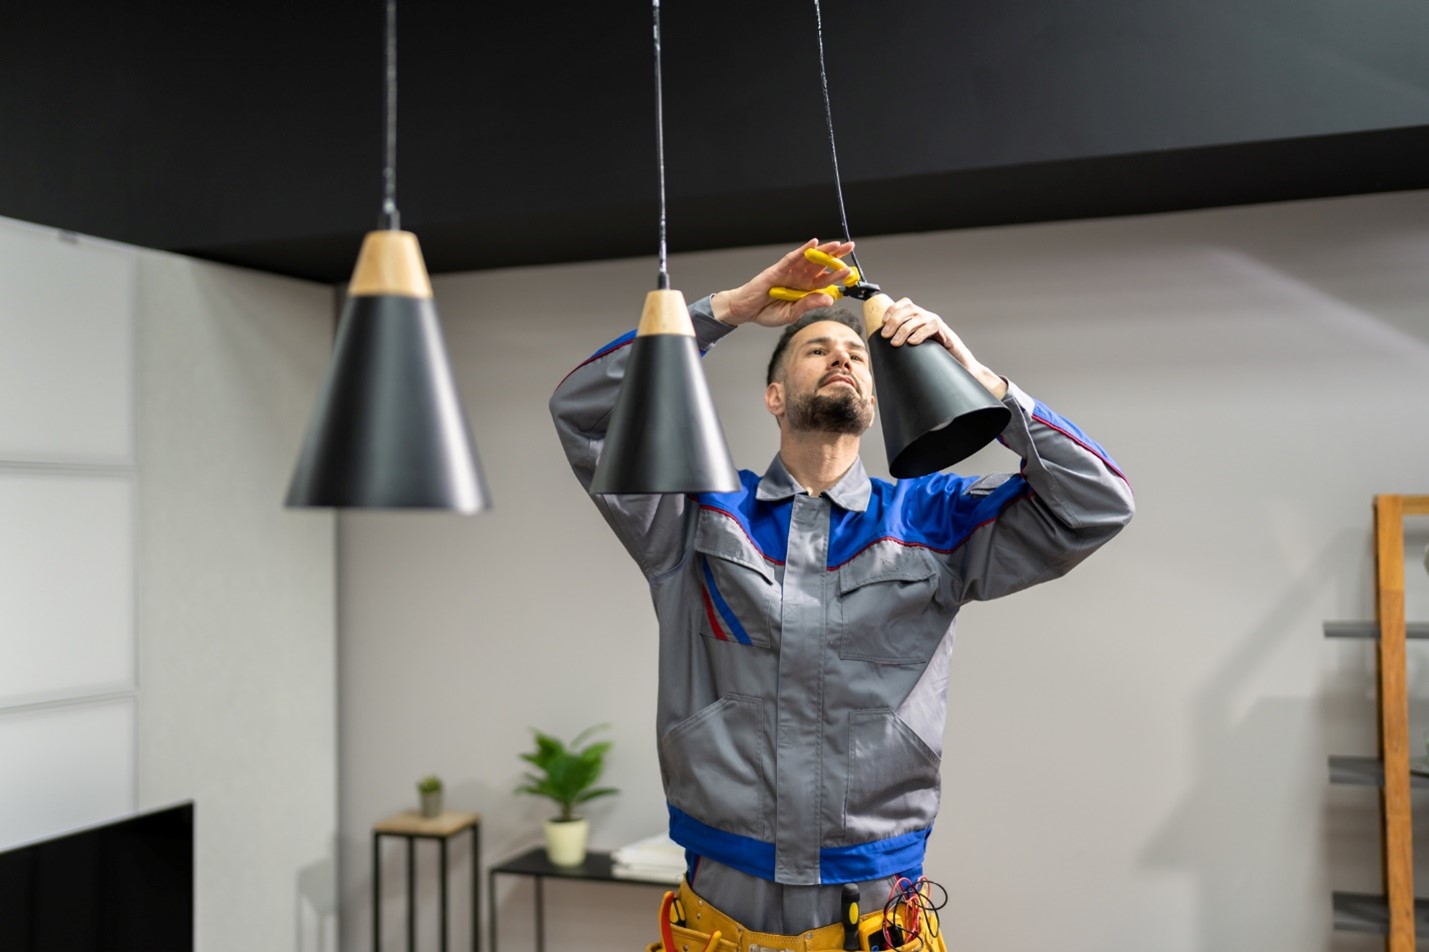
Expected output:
(739, 588)
(888, 610)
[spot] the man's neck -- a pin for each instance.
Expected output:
(817, 460)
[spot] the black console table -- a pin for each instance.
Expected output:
(596, 868)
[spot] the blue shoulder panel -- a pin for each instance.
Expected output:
(933, 511)
(766, 524)
(619, 342)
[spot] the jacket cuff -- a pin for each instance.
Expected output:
(708, 329)
(1017, 398)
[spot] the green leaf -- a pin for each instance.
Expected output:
(566, 774)
(592, 794)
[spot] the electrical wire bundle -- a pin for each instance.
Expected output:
(910, 914)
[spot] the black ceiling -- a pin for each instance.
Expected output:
(252, 133)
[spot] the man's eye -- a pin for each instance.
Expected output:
(857, 357)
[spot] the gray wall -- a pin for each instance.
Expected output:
(1136, 754)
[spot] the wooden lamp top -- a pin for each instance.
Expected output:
(390, 262)
(873, 311)
(665, 313)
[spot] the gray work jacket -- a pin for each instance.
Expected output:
(805, 641)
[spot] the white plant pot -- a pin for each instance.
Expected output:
(431, 804)
(566, 841)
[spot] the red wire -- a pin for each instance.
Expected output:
(912, 902)
(667, 937)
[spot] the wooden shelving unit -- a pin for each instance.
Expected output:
(1367, 772)
(1368, 629)
(1395, 913)
(1361, 912)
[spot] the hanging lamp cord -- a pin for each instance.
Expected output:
(390, 218)
(829, 121)
(663, 279)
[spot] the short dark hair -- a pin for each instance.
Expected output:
(836, 314)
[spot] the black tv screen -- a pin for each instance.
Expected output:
(116, 887)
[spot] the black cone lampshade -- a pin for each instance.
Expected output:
(934, 412)
(664, 434)
(388, 431)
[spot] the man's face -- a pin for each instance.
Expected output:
(826, 384)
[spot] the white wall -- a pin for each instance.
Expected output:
(68, 542)
(1137, 753)
(238, 705)
(222, 687)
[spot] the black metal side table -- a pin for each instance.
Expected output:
(412, 826)
(598, 867)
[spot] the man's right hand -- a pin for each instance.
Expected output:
(751, 301)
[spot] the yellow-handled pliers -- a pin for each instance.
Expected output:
(853, 285)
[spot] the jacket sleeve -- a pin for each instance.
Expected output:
(651, 527)
(1068, 499)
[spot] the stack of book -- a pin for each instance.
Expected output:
(655, 857)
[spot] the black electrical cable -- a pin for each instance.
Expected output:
(935, 907)
(833, 149)
(908, 896)
(664, 276)
(390, 218)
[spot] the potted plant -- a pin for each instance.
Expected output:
(567, 774)
(430, 789)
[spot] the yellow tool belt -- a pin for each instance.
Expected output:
(702, 920)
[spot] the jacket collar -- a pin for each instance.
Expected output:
(850, 493)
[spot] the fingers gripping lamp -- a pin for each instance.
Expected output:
(664, 434)
(388, 431)
(934, 412)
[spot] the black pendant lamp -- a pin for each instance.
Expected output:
(934, 412)
(664, 435)
(389, 431)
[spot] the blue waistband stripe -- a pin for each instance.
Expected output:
(744, 853)
(896, 856)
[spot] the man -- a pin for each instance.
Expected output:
(806, 620)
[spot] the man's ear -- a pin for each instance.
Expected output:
(774, 398)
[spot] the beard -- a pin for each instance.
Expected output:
(842, 413)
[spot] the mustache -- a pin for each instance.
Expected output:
(847, 376)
